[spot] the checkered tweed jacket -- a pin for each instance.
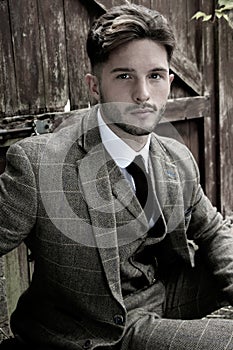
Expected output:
(65, 197)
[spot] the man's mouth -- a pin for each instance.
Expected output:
(142, 111)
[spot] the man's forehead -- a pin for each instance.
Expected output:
(138, 51)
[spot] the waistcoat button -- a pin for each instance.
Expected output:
(119, 320)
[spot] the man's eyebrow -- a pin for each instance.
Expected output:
(131, 70)
(122, 69)
(159, 69)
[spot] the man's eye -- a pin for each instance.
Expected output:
(155, 76)
(123, 76)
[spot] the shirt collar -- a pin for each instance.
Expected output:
(120, 152)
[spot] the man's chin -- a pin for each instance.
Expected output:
(134, 130)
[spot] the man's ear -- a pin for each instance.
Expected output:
(171, 78)
(93, 86)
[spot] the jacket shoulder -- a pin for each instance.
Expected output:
(179, 155)
(65, 134)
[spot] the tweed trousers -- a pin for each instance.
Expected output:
(191, 295)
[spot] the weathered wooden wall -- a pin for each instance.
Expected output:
(42, 64)
(225, 84)
(43, 56)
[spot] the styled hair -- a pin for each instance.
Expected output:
(122, 24)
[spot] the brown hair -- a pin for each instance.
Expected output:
(122, 24)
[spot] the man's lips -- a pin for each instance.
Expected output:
(142, 111)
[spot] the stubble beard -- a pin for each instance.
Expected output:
(114, 113)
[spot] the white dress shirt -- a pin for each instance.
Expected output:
(122, 153)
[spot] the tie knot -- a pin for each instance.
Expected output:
(137, 166)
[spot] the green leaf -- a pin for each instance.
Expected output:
(225, 2)
(207, 18)
(202, 15)
(198, 15)
(226, 18)
(224, 10)
(219, 14)
(225, 5)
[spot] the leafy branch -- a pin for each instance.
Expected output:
(224, 10)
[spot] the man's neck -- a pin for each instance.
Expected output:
(136, 142)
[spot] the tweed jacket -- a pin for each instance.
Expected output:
(65, 197)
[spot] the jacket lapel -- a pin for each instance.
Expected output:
(96, 187)
(170, 195)
(167, 183)
(125, 198)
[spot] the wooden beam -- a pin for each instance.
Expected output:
(186, 108)
(101, 4)
(106, 4)
(4, 316)
(225, 59)
(187, 71)
(177, 109)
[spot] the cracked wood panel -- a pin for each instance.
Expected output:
(53, 53)
(226, 117)
(4, 321)
(48, 60)
(209, 49)
(26, 62)
(77, 19)
(8, 96)
(33, 73)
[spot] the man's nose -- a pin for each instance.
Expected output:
(141, 92)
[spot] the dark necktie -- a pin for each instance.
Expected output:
(142, 184)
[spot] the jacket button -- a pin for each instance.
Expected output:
(119, 320)
(87, 344)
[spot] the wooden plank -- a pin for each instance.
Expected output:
(162, 6)
(106, 4)
(146, 3)
(186, 108)
(194, 35)
(178, 9)
(187, 71)
(77, 22)
(53, 52)
(26, 46)
(177, 109)
(3, 151)
(196, 139)
(17, 275)
(210, 123)
(226, 118)
(103, 4)
(181, 64)
(188, 132)
(14, 276)
(8, 96)
(4, 320)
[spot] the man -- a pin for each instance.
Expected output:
(120, 263)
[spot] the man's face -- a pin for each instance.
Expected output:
(133, 87)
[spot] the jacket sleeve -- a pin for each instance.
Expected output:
(214, 237)
(18, 199)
